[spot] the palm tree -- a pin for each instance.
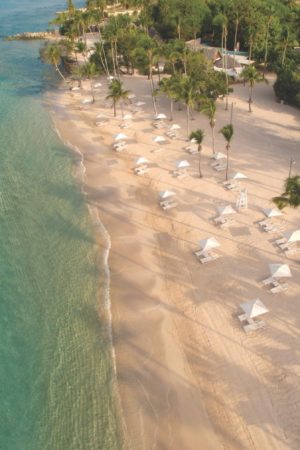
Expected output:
(89, 70)
(291, 194)
(117, 93)
(198, 135)
(252, 76)
(209, 108)
(170, 87)
(189, 95)
(52, 54)
(227, 132)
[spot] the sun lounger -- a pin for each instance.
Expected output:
(193, 151)
(208, 258)
(220, 168)
(243, 317)
(142, 171)
(292, 251)
(219, 219)
(231, 186)
(169, 205)
(280, 288)
(287, 245)
(270, 280)
(264, 223)
(141, 167)
(280, 241)
(254, 326)
(182, 175)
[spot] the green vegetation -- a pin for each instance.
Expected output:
(291, 194)
(117, 94)
(227, 132)
(198, 135)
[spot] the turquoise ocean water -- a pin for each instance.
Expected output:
(55, 365)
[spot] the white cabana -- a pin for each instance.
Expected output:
(292, 236)
(238, 176)
(166, 194)
(228, 209)
(120, 137)
(141, 160)
(160, 116)
(219, 155)
(175, 126)
(159, 139)
(272, 212)
(182, 164)
(209, 243)
(127, 117)
(254, 308)
(280, 270)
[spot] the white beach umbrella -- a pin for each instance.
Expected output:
(76, 88)
(131, 96)
(238, 176)
(272, 212)
(142, 160)
(193, 141)
(127, 117)
(87, 101)
(159, 139)
(140, 103)
(160, 116)
(175, 126)
(292, 236)
(228, 209)
(254, 308)
(166, 194)
(110, 77)
(280, 270)
(219, 155)
(209, 243)
(120, 136)
(97, 85)
(182, 164)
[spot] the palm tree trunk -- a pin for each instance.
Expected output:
(92, 90)
(115, 109)
(266, 46)
(250, 96)
(58, 70)
(113, 58)
(171, 109)
(152, 88)
(213, 138)
(199, 151)
(188, 120)
(284, 53)
(227, 162)
(235, 39)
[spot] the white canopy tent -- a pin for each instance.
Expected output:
(175, 126)
(159, 139)
(219, 155)
(182, 164)
(280, 270)
(120, 137)
(160, 116)
(141, 160)
(272, 212)
(238, 176)
(209, 243)
(166, 194)
(254, 308)
(228, 209)
(292, 236)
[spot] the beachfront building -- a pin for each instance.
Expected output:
(232, 62)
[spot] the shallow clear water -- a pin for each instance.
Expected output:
(55, 366)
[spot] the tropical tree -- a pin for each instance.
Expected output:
(252, 76)
(291, 194)
(89, 71)
(227, 132)
(52, 54)
(189, 94)
(209, 108)
(116, 93)
(171, 88)
(198, 135)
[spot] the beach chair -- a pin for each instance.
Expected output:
(208, 258)
(169, 206)
(142, 171)
(264, 223)
(220, 168)
(292, 251)
(254, 326)
(219, 220)
(182, 175)
(243, 317)
(193, 151)
(231, 187)
(280, 241)
(270, 280)
(280, 288)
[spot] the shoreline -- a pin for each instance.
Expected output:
(178, 406)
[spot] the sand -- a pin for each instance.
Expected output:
(189, 377)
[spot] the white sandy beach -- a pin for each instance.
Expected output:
(188, 375)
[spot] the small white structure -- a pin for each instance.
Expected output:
(209, 243)
(160, 116)
(280, 270)
(141, 160)
(120, 137)
(292, 236)
(139, 104)
(254, 308)
(159, 139)
(238, 176)
(166, 194)
(127, 117)
(219, 155)
(182, 164)
(228, 209)
(272, 212)
(175, 126)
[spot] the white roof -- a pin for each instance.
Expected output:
(140, 103)
(182, 164)
(120, 136)
(209, 243)
(175, 126)
(228, 209)
(272, 212)
(142, 160)
(238, 176)
(280, 270)
(127, 117)
(292, 236)
(254, 308)
(166, 194)
(219, 155)
(159, 139)
(160, 116)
